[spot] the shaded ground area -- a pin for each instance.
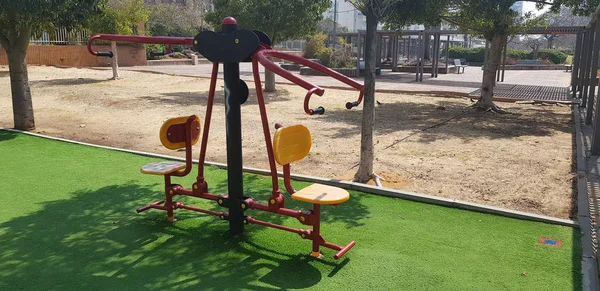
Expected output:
(74, 227)
(520, 161)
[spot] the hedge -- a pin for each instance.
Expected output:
(477, 55)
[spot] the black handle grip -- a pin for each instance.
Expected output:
(349, 105)
(319, 110)
(105, 54)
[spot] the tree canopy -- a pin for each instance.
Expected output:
(36, 15)
(172, 20)
(119, 17)
(280, 19)
(18, 19)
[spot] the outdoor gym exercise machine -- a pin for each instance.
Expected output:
(289, 144)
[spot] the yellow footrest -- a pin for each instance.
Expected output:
(322, 194)
(162, 168)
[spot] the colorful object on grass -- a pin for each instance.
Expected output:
(550, 242)
(230, 47)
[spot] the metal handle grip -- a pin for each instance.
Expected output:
(105, 54)
(319, 110)
(350, 105)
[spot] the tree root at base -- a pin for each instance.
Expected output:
(376, 178)
(489, 108)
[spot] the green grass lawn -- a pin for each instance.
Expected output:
(68, 222)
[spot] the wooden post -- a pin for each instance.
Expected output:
(447, 52)
(358, 54)
(587, 54)
(418, 55)
(394, 53)
(576, 63)
(504, 58)
(433, 55)
(594, 72)
(115, 60)
(422, 55)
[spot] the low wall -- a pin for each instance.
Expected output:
(78, 56)
(170, 62)
(534, 67)
(349, 72)
(427, 70)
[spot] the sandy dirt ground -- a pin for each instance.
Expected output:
(521, 161)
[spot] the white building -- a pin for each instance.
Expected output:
(518, 6)
(347, 16)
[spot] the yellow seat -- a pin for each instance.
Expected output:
(162, 168)
(321, 194)
(291, 144)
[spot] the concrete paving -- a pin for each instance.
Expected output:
(464, 83)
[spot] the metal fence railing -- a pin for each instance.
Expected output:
(61, 36)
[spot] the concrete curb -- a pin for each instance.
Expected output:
(589, 267)
(429, 199)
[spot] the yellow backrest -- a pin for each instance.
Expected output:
(291, 144)
(173, 131)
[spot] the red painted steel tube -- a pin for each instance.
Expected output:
(269, 65)
(264, 207)
(316, 234)
(188, 148)
(273, 225)
(207, 196)
(263, 58)
(210, 212)
(207, 119)
(344, 250)
(265, 124)
(140, 39)
(153, 205)
(287, 179)
(307, 100)
(266, 53)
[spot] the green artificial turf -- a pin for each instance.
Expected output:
(68, 222)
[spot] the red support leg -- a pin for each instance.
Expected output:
(169, 198)
(317, 240)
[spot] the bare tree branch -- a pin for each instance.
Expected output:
(540, 2)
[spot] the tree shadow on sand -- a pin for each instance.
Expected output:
(201, 98)
(66, 82)
(467, 124)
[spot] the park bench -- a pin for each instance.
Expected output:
(529, 63)
(568, 67)
(458, 64)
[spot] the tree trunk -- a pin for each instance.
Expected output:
(551, 42)
(365, 170)
(16, 49)
(489, 75)
(427, 44)
(269, 81)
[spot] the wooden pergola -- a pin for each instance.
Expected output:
(415, 44)
(584, 78)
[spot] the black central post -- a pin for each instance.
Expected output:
(233, 117)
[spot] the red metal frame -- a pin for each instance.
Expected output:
(264, 53)
(140, 39)
(275, 204)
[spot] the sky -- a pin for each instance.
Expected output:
(528, 6)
